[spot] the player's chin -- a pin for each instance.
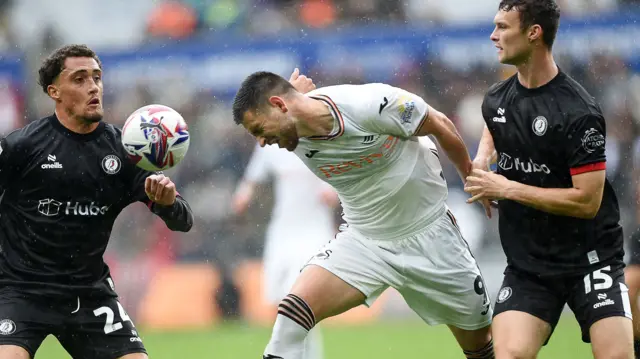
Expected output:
(290, 145)
(94, 115)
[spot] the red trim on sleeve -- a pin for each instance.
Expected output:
(598, 166)
(149, 203)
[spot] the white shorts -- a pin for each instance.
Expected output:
(433, 270)
(285, 254)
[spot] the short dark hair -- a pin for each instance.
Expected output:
(53, 65)
(255, 90)
(545, 13)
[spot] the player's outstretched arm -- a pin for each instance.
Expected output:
(445, 132)
(167, 204)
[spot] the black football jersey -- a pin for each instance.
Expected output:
(62, 194)
(543, 136)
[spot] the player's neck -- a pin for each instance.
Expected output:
(540, 69)
(313, 118)
(75, 124)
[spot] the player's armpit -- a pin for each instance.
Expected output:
(177, 217)
(445, 132)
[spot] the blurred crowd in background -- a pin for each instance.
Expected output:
(220, 150)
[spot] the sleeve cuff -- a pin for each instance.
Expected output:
(591, 167)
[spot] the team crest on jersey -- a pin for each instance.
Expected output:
(405, 110)
(592, 140)
(504, 294)
(540, 125)
(111, 164)
(7, 327)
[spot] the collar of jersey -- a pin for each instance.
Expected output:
(540, 89)
(74, 135)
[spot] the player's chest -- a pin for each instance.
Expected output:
(76, 170)
(349, 157)
(524, 127)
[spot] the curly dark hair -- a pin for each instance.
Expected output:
(542, 12)
(53, 65)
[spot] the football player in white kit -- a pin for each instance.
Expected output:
(362, 139)
(301, 221)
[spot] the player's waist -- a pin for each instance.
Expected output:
(400, 229)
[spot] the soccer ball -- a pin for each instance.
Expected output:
(155, 137)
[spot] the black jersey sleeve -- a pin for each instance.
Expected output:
(586, 141)
(177, 217)
(9, 164)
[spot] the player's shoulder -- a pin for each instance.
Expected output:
(499, 88)
(577, 102)
(28, 134)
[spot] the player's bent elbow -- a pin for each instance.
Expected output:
(589, 211)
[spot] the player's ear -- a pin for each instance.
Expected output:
(278, 102)
(535, 32)
(53, 92)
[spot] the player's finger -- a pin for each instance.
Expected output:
(475, 198)
(159, 192)
(165, 181)
(478, 172)
(295, 74)
(487, 208)
(473, 190)
(147, 185)
(153, 186)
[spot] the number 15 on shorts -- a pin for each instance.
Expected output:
(110, 326)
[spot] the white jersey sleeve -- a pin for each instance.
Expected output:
(258, 168)
(399, 112)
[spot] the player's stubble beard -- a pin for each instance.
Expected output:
(290, 135)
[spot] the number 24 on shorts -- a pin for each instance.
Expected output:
(109, 325)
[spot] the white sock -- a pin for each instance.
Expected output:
(287, 340)
(293, 323)
(314, 345)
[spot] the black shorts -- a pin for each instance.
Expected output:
(600, 294)
(86, 328)
(634, 248)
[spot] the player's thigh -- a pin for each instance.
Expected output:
(345, 273)
(472, 340)
(101, 329)
(612, 338)
(518, 335)
(13, 352)
(526, 312)
(25, 321)
(632, 278)
(443, 283)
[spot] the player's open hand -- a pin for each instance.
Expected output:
(485, 185)
(301, 82)
(160, 190)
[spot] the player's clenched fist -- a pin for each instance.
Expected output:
(160, 190)
(301, 82)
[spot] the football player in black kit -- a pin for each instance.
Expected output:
(558, 214)
(65, 180)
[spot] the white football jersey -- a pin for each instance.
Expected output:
(298, 208)
(389, 185)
